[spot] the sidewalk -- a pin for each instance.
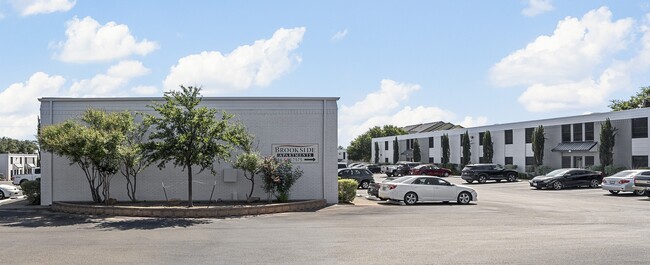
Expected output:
(20, 203)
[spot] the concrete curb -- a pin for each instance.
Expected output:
(196, 212)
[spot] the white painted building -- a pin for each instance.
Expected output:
(17, 164)
(275, 122)
(570, 141)
(342, 156)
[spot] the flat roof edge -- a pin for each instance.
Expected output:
(68, 99)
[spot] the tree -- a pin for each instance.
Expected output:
(607, 142)
(444, 143)
(640, 100)
(488, 149)
(9, 145)
(376, 152)
(360, 148)
(538, 145)
(467, 153)
(188, 135)
(249, 161)
(132, 157)
(93, 146)
(417, 156)
(395, 151)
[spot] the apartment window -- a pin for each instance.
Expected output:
(508, 136)
(640, 128)
(408, 144)
(530, 160)
(589, 161)
(430, 159)
(566, 133)
(639, 161)
(343, 155)
(577, 132)
(480, 138)
(386, 159)
(589, 131)
(566, 161)
(386, 145)
(508, 160)
(529, 135)
(430, 142)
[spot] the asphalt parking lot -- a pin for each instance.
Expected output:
(510, 224)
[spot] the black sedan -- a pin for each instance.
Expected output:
(373, 189)
(363, 176)
(567, 177)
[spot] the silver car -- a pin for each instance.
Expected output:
(9, 191)
(624, 181)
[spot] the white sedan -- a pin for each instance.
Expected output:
(9, 191)
(413, 189)
(624, 181)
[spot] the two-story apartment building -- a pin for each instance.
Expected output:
(569, 141)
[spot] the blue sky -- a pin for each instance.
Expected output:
(391, 62)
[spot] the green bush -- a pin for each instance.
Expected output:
(32, 189)
(347, 190)
(542, 170)
(453, 167)
(525, 176)
(509, 166)
(611, 170)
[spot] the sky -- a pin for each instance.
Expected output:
(466, 62)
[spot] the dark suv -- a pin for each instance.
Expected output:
(484, 172)
(363, 176)
(402, 168)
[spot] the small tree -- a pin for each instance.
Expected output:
(607, 142)
(395, 151)
(467, 153)
(417, 156)
(188, 135)
(488, 149)
(376, 152)
(249, 161)
(640, 100)
(444, 143)
(132, 157)
(538, 145)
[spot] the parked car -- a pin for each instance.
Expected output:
(342, 165)
(19, 179)
(624, 181)
(373, 189)
(431, 170)
(373, 168)
(363, 176)
(567, 177)
(484, 172)
(642, 182)
(8, 191)
(401, 168)
(413, 189)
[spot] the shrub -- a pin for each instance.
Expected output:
(32, 189)
(508, 166)
(525, 176)
(453, 167)
(278, 177)
(611, 170)
(347, 190)
(542, 170)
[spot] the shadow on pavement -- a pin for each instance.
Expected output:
(151, 223)
(40, 218)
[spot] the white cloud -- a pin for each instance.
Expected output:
(88, 41)
(339, 35)
(384, 107)
(536, 7)
(258, 64)
(109, 84)
(469, 122)
(21, 106)
(34, 7)
(577, 66)
(146, 91)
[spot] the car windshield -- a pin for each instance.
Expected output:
(466, 168)
(557, 172)
(624, 174)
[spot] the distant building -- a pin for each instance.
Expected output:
(570, 141)
(407, 154)
(17, 164)
(343, 155)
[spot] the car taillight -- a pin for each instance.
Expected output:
(623, 181)
(390, 187)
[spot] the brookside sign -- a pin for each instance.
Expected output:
(297, 153)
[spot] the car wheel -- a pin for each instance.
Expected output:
(423, 173)
(482, 179)
(558, 185)
(445, 174)
(615, 191)
(512, 178)
(593, 183)
(410, 198)
(470, 181)
(2, 195)
(639, 192)
(365, 184)
(464, 198)
(389, 174)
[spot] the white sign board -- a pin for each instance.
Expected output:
(297, 153)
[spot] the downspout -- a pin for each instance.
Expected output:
(322, 150)
(51, 157)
